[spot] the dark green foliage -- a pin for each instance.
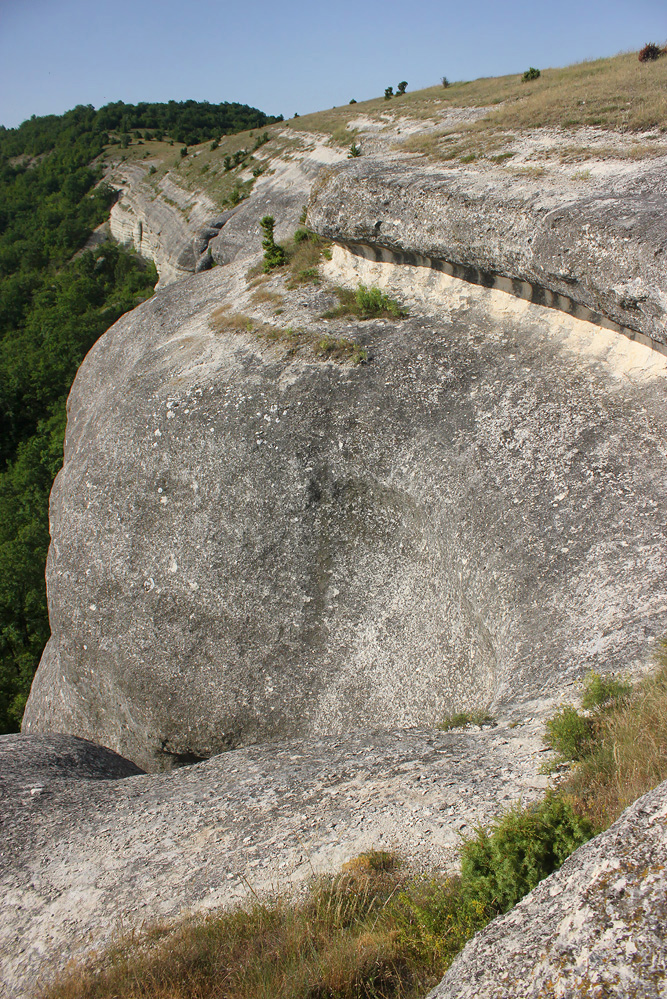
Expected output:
(355, 151)
(569, 733)
(524, 846)
(531, 74)
(400, 89)
(188, 122)
(261, 140)
(274, 255)
(389, 93)
(650, 52)
(184, 151)
(444, 81)
(301, 235)
(214, 145)
(353, 101)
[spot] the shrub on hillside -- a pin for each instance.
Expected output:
(523, 847)
(650, 52)
(531, 74)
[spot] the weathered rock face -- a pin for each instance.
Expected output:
(594, 928)
(250, 546)
(606, 250)
(81, 858)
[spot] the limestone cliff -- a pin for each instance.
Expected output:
(256, 540)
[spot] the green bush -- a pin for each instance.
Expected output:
(274, 255)
(373, 302)
(389, 93)
(184, 151)
(355, 151)
(523, 847)
(400, 89)
(531, 74)
(569, 733)
(602, 691)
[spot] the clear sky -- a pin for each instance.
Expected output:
(291, 56)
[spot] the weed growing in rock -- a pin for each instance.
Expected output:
(365, 303)
(460, 719)
(304, 255)
(274, 255)
(329, 348)
(355, 151)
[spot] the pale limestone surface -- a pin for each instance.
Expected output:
(84, 856)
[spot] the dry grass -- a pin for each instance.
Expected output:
(369, 933)
(622, 750)
(262, 296)
(323, 346)
(619, 94)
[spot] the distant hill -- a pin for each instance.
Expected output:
(184, 121)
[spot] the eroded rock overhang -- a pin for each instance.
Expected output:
(599, 256)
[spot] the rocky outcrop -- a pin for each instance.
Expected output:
(251, 545)
(83, 858)
(594, 928)
(605, 250)
(170, 226)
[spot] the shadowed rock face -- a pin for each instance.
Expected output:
(250, 547)
(594, 928)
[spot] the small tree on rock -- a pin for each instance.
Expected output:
(274, 255)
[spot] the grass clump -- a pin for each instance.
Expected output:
(365, 303)
(304, 256)
(461, 719)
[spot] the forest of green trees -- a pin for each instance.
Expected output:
(54, 304)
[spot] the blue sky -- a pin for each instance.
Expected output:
(291, 56)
